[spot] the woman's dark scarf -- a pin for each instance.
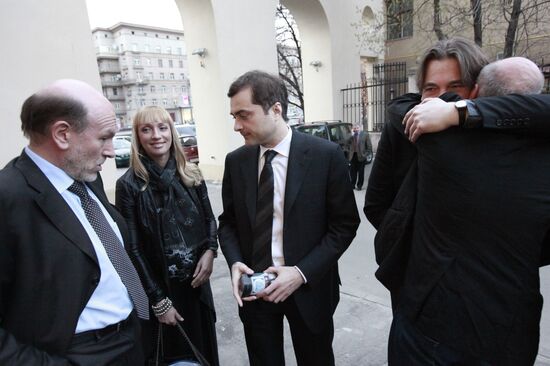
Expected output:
(179, 220)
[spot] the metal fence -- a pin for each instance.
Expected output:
(365, 102)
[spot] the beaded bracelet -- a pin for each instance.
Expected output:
(163, 307)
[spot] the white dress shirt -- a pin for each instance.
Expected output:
(280, 165)
(110, 302)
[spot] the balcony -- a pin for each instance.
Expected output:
(111, 82)
(109, 70)
(141, 81)
(116, 97)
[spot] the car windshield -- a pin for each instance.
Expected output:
(121, 144)
(186, 130)
(318, 131)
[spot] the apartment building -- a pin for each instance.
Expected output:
(142, 65)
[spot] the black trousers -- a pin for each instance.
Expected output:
(407, 346)
(263, 328)
(115, 347)
(357, 171)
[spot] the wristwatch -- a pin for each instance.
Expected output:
(473, 119)
(462, 108)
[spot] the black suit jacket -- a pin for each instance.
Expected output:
(320, 218)
(481, 219)
(391, 213)
(48, 266)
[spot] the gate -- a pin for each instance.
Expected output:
(365, 102)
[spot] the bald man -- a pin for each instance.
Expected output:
(68, 292)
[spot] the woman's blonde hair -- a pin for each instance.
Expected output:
(189, 172)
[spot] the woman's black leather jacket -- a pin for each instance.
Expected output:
(145, 243)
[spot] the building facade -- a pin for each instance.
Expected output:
(141, 66)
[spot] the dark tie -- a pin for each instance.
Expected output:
(263, 226)
(115, 251)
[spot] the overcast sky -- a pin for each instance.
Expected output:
(157, 13)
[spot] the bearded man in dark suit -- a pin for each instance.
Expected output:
(298, 233)
(67, 288)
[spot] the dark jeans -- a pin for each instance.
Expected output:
(357, 171)
(407, 346)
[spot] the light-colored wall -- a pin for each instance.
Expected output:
(43, 40)
(239, 36)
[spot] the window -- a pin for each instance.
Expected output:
(157, 49)
(180, 64)
(146, 48)
(115, 91)
(142, 102)
(399, 18)
(182, 76)
(117, 106)
(183, 89)
(180, 51)
(152, 88)
(137, 62)
(129, 104)
(175, 102)
(170, 63)
(161, 75)
(171, 76)
(134, 46)
(150, 76)
(139, 76)
(168, 49)
(148, 62)
(160, 62)
(163, 89)
(154, 102)
(175, 90)
(140, 90)
(165, 102)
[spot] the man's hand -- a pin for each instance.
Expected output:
(204, 269)
(237, 269)
(288, 280)
(171, 317)
(432, 115)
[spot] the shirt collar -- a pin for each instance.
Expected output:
(59, 179)
(283, 147)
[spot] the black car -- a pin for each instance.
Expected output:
(336, 131)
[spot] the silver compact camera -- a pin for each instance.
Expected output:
(250, 285)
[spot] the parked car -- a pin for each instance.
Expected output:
(122, 152)
(336, 131)
(186, 130)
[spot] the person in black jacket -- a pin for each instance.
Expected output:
(173, 238)
(470, 292)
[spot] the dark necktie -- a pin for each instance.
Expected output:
(115, 251)
(263, 226)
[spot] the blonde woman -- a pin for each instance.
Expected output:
(173, 234)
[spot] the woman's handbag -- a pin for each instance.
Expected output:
(200, 359)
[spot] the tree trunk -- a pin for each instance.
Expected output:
(478, 30)
(437, 21)
(510, 37)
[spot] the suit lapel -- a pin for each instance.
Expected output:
(249, 170)
(55, 207)
(298, 164)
